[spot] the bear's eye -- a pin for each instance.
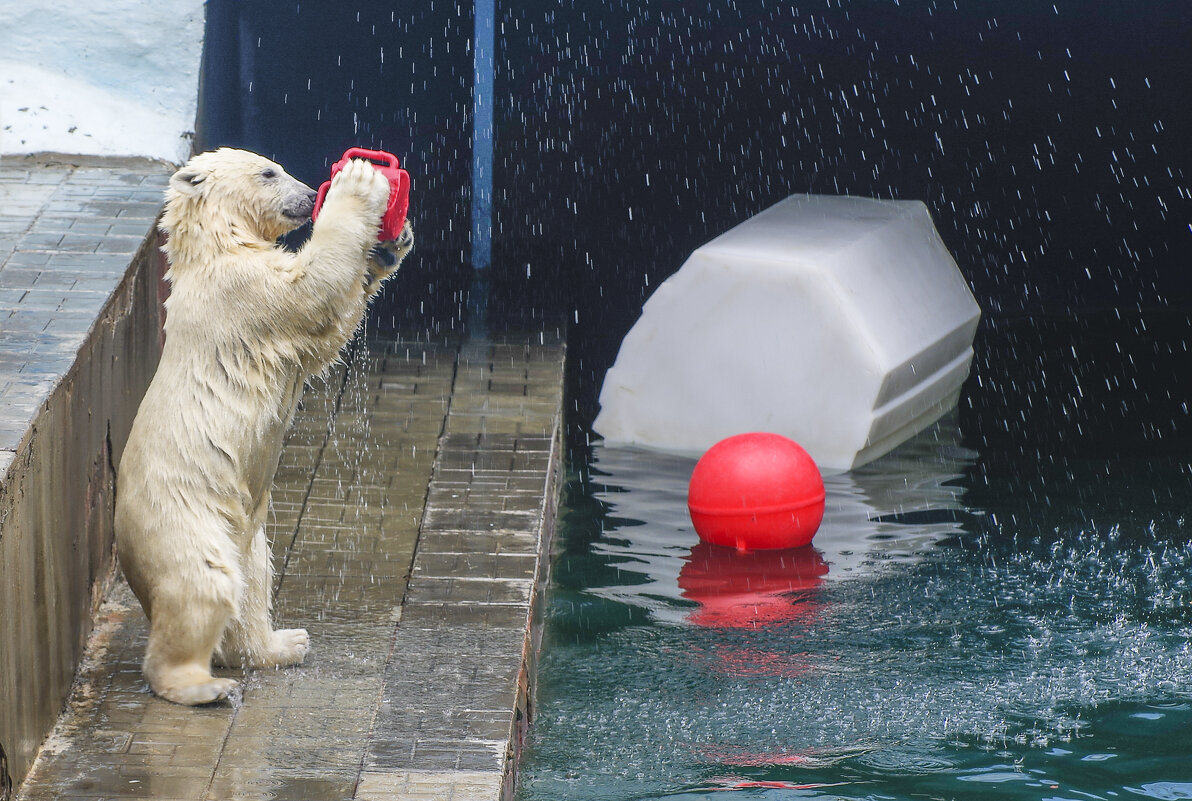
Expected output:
(268, 173)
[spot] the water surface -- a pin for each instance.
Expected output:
(968, 623)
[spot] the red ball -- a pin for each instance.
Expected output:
(756, 492)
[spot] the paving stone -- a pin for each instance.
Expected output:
(451, 785)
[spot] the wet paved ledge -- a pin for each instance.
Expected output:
(69, 226)
(412, 511)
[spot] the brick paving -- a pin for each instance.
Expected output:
(412, 511)
(453, 725)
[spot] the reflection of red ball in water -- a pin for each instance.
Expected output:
(755, 492)
(744, 590)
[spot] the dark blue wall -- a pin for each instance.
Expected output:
(301, 82)
(1050, 140)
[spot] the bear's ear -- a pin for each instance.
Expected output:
(188, 180)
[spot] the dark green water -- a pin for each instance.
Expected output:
(1001, 608)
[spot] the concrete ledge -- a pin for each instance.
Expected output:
(79, 341)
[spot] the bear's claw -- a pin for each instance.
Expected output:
(386, 257)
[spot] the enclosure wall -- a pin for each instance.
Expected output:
(56, 504)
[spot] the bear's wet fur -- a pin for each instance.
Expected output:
(248, 322)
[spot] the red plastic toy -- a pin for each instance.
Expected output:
(399, 188)
(756, 492)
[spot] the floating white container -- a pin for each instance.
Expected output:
(840, 322)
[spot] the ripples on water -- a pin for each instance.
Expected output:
(918, 649)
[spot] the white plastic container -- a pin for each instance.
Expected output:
(840, 322)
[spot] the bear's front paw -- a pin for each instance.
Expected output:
(208, 692)
(386, 257)
(361, 180)
(400, 247)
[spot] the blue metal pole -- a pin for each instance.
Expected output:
(482, 135)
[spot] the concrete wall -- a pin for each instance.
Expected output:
(56, 503)
(79, 336)
(117, 78)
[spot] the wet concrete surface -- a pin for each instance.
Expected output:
(411, 517)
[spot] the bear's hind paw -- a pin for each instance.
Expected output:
(208, 692)
(287, 647)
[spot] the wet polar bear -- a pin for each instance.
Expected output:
(248, 322)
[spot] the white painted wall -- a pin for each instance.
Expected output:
(100, 77)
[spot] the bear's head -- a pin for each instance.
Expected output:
(236, 197)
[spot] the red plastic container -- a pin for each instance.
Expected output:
(399, 188)
(756, 492)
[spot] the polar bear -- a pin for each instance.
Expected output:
(248, 322)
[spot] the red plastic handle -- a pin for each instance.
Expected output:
(314, 215)
(388, 159)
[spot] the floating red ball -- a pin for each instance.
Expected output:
(756, 492)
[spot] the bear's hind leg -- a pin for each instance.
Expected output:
(183, 633)
(249, 639)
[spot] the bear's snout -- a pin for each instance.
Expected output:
(300, 204)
